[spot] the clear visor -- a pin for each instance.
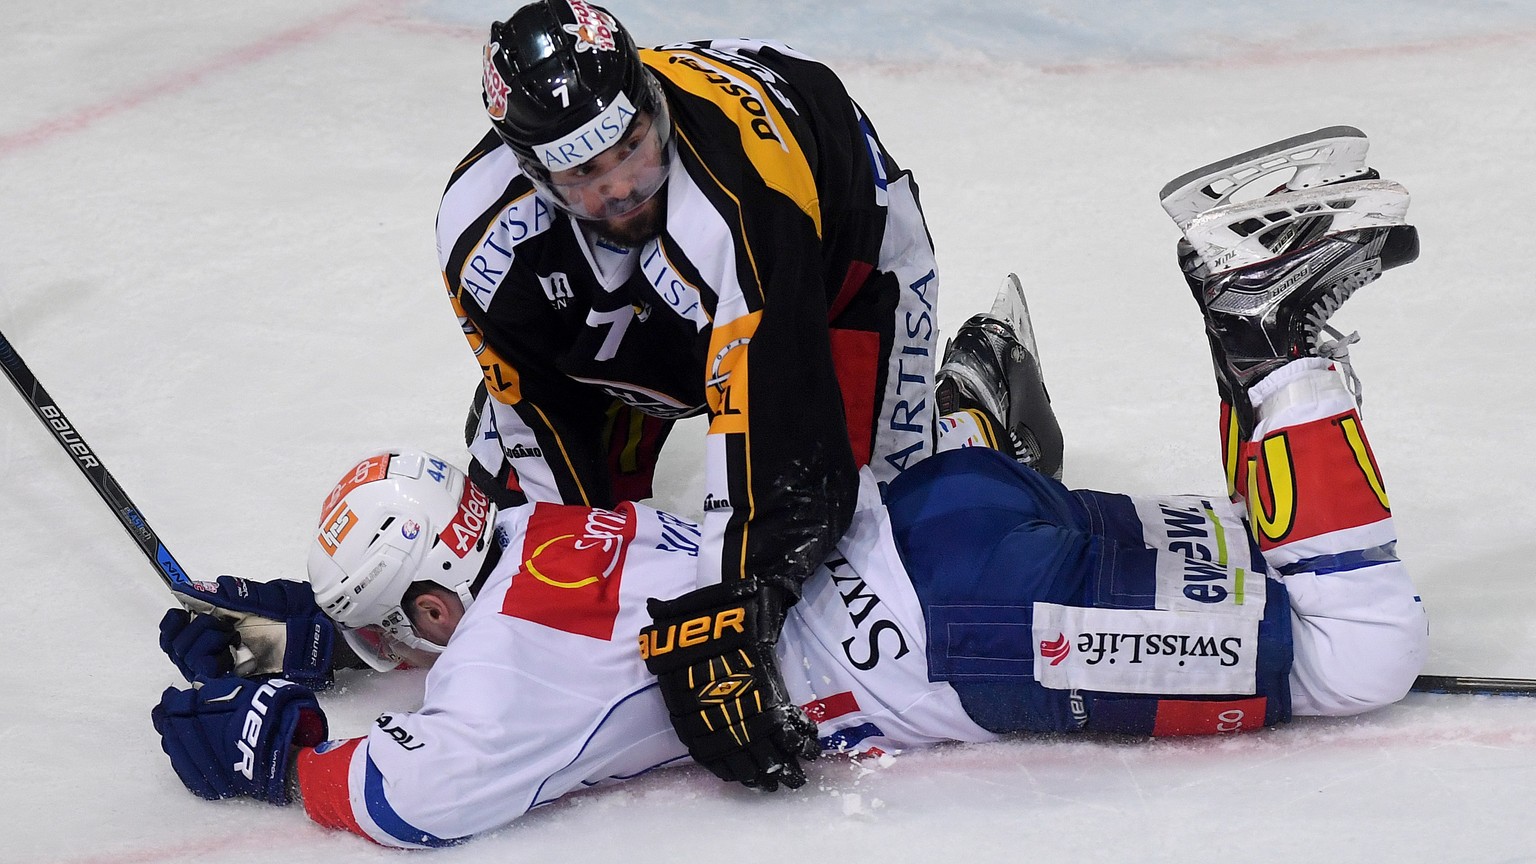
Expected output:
(618, 180)
(392, 645)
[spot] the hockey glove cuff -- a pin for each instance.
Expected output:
(277, 621)
(712, 652)
(231, 736)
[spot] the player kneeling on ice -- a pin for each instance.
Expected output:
(980, 598)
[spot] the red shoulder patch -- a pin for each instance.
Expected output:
(573, 563)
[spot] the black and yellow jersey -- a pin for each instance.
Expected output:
(791, 296)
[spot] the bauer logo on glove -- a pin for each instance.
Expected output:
(655, 642)
(231, 736)
(712, 652)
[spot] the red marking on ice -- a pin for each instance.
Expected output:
(82, 118)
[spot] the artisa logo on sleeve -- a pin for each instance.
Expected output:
(1144, 650)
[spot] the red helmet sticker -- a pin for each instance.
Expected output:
(366, 471)
(496, 89)
(464, 530)
(593, 29)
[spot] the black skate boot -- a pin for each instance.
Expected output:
(992, 366)
(1265, 315)
(1268, 273)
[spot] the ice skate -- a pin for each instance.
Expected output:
(1270, 271)
(993, 365)
(1331, 155)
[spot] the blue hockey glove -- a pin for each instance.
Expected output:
(231, 736)
(712, 652)
(277, 621)
(201, 646)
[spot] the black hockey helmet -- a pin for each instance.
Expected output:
(562, 79)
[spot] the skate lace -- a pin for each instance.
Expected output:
(1337, 348)
(1329, 303)
(1026, 454)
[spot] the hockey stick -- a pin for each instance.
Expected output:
(170, 572)
(129, 516)
(1474, 686)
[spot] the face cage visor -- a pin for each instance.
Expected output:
(616, 181)
(391, 645)
(394, 642)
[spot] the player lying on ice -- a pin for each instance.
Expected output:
(980, 598)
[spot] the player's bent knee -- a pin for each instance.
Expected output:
(1356, 682)
(1360, 640)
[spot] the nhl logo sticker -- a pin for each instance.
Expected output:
(593, 29)
(496, 89)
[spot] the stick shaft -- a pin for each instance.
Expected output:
(90, 465)
(1475, 686)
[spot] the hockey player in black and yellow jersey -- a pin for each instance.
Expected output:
(703, 227)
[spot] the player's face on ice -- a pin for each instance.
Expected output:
(431, 617)
(617, 189)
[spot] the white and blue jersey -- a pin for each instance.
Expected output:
(541, 691)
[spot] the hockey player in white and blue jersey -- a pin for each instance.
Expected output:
(978, 598)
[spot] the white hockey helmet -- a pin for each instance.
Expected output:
(398, 517)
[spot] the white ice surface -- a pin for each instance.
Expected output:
(216, 252)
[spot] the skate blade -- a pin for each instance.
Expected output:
(1009, 306)
(1237, 235)
(1324, 156)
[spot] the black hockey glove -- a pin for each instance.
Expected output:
(712, 652)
